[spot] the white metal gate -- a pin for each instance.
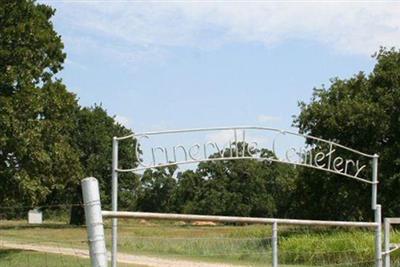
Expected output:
(321, 154)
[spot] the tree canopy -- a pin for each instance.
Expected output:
(48, 143)
(36, 111)
(362, 112)
(30, 49)
(227, 187)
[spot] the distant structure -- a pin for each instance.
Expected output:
(35, 216)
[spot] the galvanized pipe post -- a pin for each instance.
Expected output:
(374, 199)
(378, 237)
(274, 241)
(378, 212)
(94, 222)
(386, 242)
(114, 199)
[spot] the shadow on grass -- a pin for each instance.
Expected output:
(7, 252)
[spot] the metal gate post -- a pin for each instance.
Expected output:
(274, 244)
(94, 222)
(378, 237)
(386, 241)
(374, 199)
(114, 200)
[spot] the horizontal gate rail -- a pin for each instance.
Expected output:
(230, 219)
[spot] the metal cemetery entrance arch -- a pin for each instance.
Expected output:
(314, 153)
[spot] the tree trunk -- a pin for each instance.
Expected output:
(77, 215)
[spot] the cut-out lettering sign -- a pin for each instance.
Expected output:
(322, 154)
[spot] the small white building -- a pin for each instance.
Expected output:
(35, 217)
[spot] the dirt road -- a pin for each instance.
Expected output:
(122, 257)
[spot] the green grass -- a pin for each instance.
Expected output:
(330, 247)
(231, 244)
(19, 258)
(310, 246)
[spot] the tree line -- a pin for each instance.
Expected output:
(48, 142)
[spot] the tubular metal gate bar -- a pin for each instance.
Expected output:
(94, 222)
(323, 160)
(389, 247)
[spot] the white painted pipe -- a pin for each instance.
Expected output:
(274, 244)
(230, 219)
(378, 237)
(386, 241)
(374, 199)
(114, 203)
(94, 222)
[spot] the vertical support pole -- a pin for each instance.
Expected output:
(114, 204)
(94, 222)
(374, 199)
(274, 241)
(386, 242)
(378, 237)
(378, 214)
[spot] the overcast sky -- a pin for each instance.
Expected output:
(179, 64)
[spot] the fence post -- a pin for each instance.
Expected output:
(374, 199)
(114, 200)
(378, 237)
(386, 241)
(274, 244)
(94, 222)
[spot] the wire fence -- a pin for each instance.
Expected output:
(251, 245)
(56, 243)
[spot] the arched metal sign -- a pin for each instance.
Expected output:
(322, 155)
(307, 151)
(313, 153)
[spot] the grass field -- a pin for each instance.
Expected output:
(19, 258)
(247, 245)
